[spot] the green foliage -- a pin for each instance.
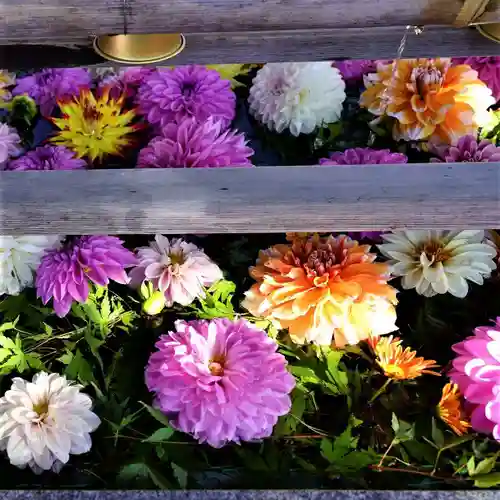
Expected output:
(217, 302)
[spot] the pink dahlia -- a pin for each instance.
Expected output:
(127, 82)
(180, 270)
(476, 371)
(48, 158)
(364, 156)
(10, 144)
(51, 85)
(488, 69)
(353, 70)
(193, 144)
(466, 150)
(221, 381)
(170, 95)
(64, 273)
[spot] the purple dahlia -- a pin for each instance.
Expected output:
(64, 273)
(366, 235)
(467, 150)
(221, 381)
(488, 70)
(51, 85)
(126, 81)
(193, 144)
(170, 95)
(364, 156)
(10, 144)
(353, 70)
(47, 158)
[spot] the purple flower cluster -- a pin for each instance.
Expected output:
(48, 158)
(466, 150)
(364, 156)
(126, 81)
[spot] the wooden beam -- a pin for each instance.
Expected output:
(244, 200)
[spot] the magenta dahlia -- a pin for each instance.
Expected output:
(488, 70)
(466, 150)
(50, 85)
(364, 156)
(221, 381)
(170, 95)
(48, 158)
(353, 70)
(126, 81)
(64, 273)
(193, 144)
(476, 371)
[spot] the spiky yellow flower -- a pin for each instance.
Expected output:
(6, 80)
(400, 363)
(94, 127)
(450, 409)
(231, 71)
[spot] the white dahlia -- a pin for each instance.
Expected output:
(44, 421)
(436, 262)
(19, 259)
(298, 96)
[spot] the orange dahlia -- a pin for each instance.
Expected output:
(323, 288)
(400, 363)
(450, 409)
(429, 98)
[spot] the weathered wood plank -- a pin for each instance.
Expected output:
(279, 46)
(241, 200)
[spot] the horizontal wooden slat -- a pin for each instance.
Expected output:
(261, 199)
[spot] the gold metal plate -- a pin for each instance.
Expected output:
(491, 31)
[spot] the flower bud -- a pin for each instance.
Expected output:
(154, 304)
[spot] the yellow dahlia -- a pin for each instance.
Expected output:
(450, 409)
(94, 127)
(6, 80)
(400, 363)
(429, 98)
(323, 289)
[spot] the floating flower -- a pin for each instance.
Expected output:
(353, 70)
(450, 409)
(476, 371)
(6, 80)
(51, 85)
(364, 156)
(10, 144)
(429, 98)
(436, 262)
(47, 158)
(171, 95)
(231, 72)
(20, 257)
(127, 82)
(488, 70)
(400, 363)
(467, 150)
(64, 273)
(94, 127)
(323, 287)
(194, 144)
(297, 96)
(44, 421)
(177, 268)
(221, 381)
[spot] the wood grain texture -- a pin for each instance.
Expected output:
(38, 19)
(282, 46)
(243, 200)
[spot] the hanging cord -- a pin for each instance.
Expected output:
(125, 8)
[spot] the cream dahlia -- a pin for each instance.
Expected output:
(44, 421)
(436, 262)
(298, 96)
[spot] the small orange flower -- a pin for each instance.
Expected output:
(319, 287)
(400, 363)
(450, 409)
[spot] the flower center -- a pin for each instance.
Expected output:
(216, 365)
(188, 89)
(393, 370)
(177, 258)
(91, 118)
(41, 408)
(425, 77)
(435, 252)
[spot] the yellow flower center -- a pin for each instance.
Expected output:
(393, 371)
(434, 252)
(216, 365)
(41, 408)
(177, 258)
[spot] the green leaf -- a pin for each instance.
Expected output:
(485, 466)
(471, 466)
(163, 434)
(181, 475)
(487, 480)
(4, 354)
(7, 343)
(48, 329)
(34, 361)
(327, 450)
(80, 369)
(131, 472)
(105, 308)
(403, 431)
(9, 325)
(437, 434)
(66, 358)
(305, 374)
(156, 414)
(159, 479)
(92, 312)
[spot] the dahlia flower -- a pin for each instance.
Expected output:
(177, 268)
(488, 70)
(364, 156)
(429, 98)
(43, 421)
(6, 80)
(323, 287)
(353, 70)
(127, 82)
(476, 371)
(94, 127)
(221, 381)
(450, 409)
(20, 257)
(466, 150)
(231, 71)
(297, 96)
(436, 262)
(10, 144)
(194, 144)
(47, 158)
(170, 95)
(51, 85)
(64, 273)
(365, 235)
